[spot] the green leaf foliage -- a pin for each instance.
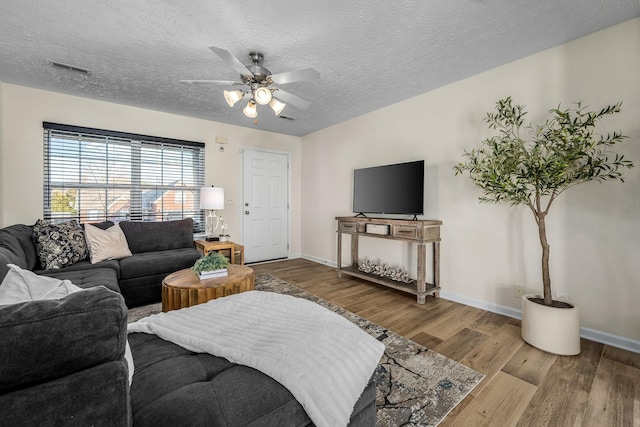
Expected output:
(532, 165)
(64, 201)
(209, 262)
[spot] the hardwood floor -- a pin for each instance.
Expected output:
(523, 386)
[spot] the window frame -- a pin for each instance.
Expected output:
(179, 160)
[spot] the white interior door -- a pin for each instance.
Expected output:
(265, 205)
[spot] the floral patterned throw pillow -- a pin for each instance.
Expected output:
(59, 245)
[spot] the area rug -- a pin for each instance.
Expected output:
(415, 386)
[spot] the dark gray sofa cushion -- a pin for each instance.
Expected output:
(62, 361)
(158, 236)
(97, 396)
(9, 256)
(173, 386)
(87, 278)
(82, 330)
(159, 262)
(22, 233)
(142, 274)
(85, 265)
(12, 251)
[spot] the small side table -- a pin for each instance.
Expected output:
(205, 247)
(184, 288)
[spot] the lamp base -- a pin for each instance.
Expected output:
(212, 239)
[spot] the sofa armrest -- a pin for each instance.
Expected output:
(49, 339)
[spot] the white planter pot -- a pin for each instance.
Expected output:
(213, 273)
(554, 330)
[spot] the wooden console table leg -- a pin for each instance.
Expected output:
(436, 267)
(354, 250)
(339, 260)
(422, 284)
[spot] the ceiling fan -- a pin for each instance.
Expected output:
(261, 85)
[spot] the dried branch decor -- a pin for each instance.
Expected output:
(381, 269)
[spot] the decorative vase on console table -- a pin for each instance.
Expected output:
(223, 237)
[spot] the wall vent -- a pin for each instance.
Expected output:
(69, 68)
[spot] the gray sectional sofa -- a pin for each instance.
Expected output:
(62, 361)
(53, 372)
(158, 249)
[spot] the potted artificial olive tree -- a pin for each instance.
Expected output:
(533, 169)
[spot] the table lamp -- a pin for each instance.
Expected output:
(211, 199)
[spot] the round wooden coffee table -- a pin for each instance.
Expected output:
(184, 288)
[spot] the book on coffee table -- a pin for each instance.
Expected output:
(213, 273)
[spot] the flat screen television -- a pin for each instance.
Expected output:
(390, 189)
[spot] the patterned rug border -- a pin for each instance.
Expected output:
(416, 386)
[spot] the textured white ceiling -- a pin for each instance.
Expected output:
(370, 54)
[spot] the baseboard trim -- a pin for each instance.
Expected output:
(319, 260)
(588, 333)
(494, 308)
(610, 339)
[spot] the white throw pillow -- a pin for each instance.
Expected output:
(24, 285)
(106, 244)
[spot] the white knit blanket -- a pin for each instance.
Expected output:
(324, 360)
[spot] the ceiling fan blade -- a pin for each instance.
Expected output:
(231, 60)
(295, 76)
(206, 82)
(290, 98)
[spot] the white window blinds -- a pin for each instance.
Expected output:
(95, 175)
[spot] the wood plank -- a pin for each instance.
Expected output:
(444, 327)
(489, 323)
(585, 363)
(493, 353)
(452, 417)
(501, 404)
(461, 344)
(619, 355)
(530, 364)
(615, 396)
(426, 340)
(560, 400)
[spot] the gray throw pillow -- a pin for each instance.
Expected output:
(59, 245)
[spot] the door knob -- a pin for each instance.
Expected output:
(246, 212)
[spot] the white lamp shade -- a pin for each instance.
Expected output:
(211, 198)
(233, 96)
(262, 95)
(250, 110)
(277, 106)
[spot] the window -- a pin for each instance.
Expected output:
(95, 175)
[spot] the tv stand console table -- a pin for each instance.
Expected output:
(419, 232)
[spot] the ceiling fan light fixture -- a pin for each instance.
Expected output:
(262, 95)
(233, 96)
(277, 106)
(250, 110)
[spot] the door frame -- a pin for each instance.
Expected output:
(244, 148)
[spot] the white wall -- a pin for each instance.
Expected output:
(21, 149)
(594, 230)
